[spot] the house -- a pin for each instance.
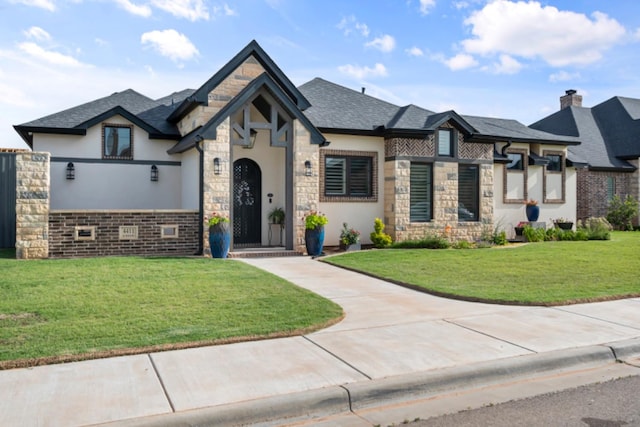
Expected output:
(128, 174)
(610, 148)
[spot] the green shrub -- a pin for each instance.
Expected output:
(499, 238)
(428, 242)
(378, 237)
(595, 228)
(551, 234)
(463, 244)
(533, 234)
(620, 213)
(566, 235)
(581, 234)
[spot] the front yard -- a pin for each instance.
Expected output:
(62, 310)
(549, 273)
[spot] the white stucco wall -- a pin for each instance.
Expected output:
(508, 215)
(359, 215)
(104, 185)
(190, 179)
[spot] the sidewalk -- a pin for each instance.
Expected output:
(394, 344)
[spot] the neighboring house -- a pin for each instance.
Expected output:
(133, 175)
(610, 145)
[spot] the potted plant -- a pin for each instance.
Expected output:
(520, 227)
(349, 238)
(563, 223)
(276, 216)
(219, 235)
(314, 223)
(533, 210)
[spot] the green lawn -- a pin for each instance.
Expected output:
(549, 273)
(59, 310)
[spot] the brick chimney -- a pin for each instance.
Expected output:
(570, 99)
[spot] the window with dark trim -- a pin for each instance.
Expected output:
(468, 192)
(445, 142)
(117, 142)
(421, 192)
(555, 163)
(611, 188)
(348, 176)
(516, 162)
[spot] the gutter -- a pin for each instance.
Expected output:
(199, 139)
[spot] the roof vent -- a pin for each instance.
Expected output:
(363, 89)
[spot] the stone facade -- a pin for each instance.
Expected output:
(66, 240)
(593, 197)
(222, 94)
(306, 189)
(400, 152)
(32, 205)
(217, 188)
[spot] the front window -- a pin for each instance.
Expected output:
(515, 176)
(348, 175)
(611, 188)
(445, 142)
(468, 192)
(555, 163)
(117, 142)
(421, 192)
(516, 162)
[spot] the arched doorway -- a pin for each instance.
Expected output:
(247, 203)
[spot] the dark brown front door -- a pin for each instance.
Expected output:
(247, 184)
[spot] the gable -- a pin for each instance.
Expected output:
(242, 68)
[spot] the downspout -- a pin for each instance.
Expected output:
(199, 139)
(508, 144)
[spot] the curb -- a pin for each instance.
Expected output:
(368, 394)
(625, 349)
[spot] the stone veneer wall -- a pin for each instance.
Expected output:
(217, 188)
(306, 189)
(32, 205)
(592, 190)
(63, 243)
(445, 190)
(222, 94)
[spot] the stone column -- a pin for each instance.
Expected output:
(306, 189)
(217, 188)
(32, 205)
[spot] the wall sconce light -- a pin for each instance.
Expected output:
(307, 168)
(216, 166)
(71, 171)
(154, 173)
(253, 134)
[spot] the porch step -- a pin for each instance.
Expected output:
(262, 253)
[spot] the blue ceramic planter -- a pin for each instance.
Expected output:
(533, 212)
(314, 240)
(220, 240)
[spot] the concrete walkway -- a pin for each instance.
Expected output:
(394, 344)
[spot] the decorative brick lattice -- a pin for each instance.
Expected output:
(468, 150)
(411, 147)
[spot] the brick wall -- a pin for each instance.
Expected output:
(592, 191)
(63, 242)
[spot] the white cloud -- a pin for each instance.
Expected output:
(42, 4)
(414, 51)
(101, 42)
(507, 65)
(385, 43)
(55, 58)
(637, 33)
(460, 5)
(563, 76)
(530, 30)
(170, 43)
(425, 5)
(460, 62)
(134, 9)
(378, 70)
(37, 33)
(350, 24)
(192, 10)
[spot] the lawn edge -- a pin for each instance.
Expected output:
(483, 300)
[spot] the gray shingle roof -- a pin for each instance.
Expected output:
(609, 132)
(337, 108)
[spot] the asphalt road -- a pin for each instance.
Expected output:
(614, 403)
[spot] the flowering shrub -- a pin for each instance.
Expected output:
(349, 236)
(531, 202)
(216, 218)
(314, 219)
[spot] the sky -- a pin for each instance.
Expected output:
(494, 58)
